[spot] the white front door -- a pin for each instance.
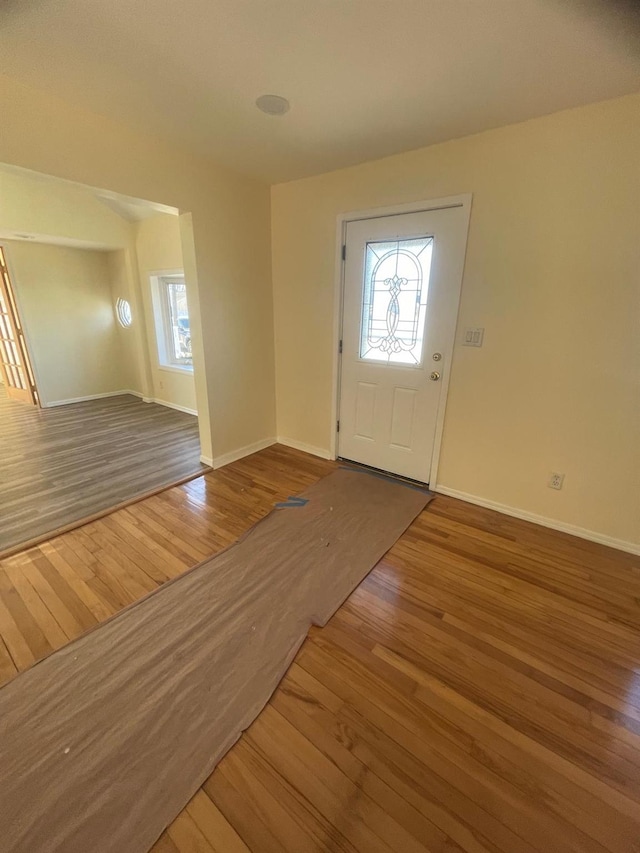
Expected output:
(402, 279)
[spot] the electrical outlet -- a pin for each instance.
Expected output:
(556, 481)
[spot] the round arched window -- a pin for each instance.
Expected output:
(123, 310)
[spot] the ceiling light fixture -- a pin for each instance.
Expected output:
(273, 105)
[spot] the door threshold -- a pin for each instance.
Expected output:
(382, 473)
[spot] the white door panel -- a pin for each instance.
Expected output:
(365, 410)
(403, 418)
(402, 281)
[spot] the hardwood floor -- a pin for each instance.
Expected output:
(480, 690)
(67, 463)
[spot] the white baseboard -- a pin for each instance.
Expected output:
(580, 532)
(240, 453)
(53, 403)
(170, 405)
(306, 448)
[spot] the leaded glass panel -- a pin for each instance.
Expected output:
(394, 302)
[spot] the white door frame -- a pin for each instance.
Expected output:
(461, 201)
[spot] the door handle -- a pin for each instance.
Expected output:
(434, 376)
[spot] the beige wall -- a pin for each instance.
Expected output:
(234, 347)
(67, 310)
(551, 274)
(132, 341)
(159, 249)
(40, 206)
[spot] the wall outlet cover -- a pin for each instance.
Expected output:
(556, 481)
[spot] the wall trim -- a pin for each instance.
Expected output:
(170, 405)
(306, 448)
(240, 453)
(574, 530)
(247, 450)
(144, 399)
(53, 403)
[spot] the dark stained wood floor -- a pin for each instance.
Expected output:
(479, 692)
(63, 464)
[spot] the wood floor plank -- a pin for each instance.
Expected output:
(76, 554)
(327, 732)
(187, 837)
(265, 820)
(75, 582)
(453, 732)
(7, 667)
(125, 539)
(29, 626)
(36, 570)
(59, 586)
(499, 683)
(53, 633)
(578, 690)
(326, 784)
(227, 788)
(132, 526)
(478, 693)
(214, 826)
(450, 807)
(131, 581)
(164, 844)
(109, 591)
(423, 799)
(14, 641)
(149, 573)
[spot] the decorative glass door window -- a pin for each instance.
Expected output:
(394, 300)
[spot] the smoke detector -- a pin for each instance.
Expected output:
(273, 105)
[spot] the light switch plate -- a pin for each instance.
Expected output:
(473, 337)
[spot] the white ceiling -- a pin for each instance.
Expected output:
(366, 78)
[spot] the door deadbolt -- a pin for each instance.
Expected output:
(434, 376)
(437, 356)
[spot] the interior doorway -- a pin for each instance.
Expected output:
(111, 419)
(402, 281)
(15, 366)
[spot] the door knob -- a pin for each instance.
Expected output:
(434, 376)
